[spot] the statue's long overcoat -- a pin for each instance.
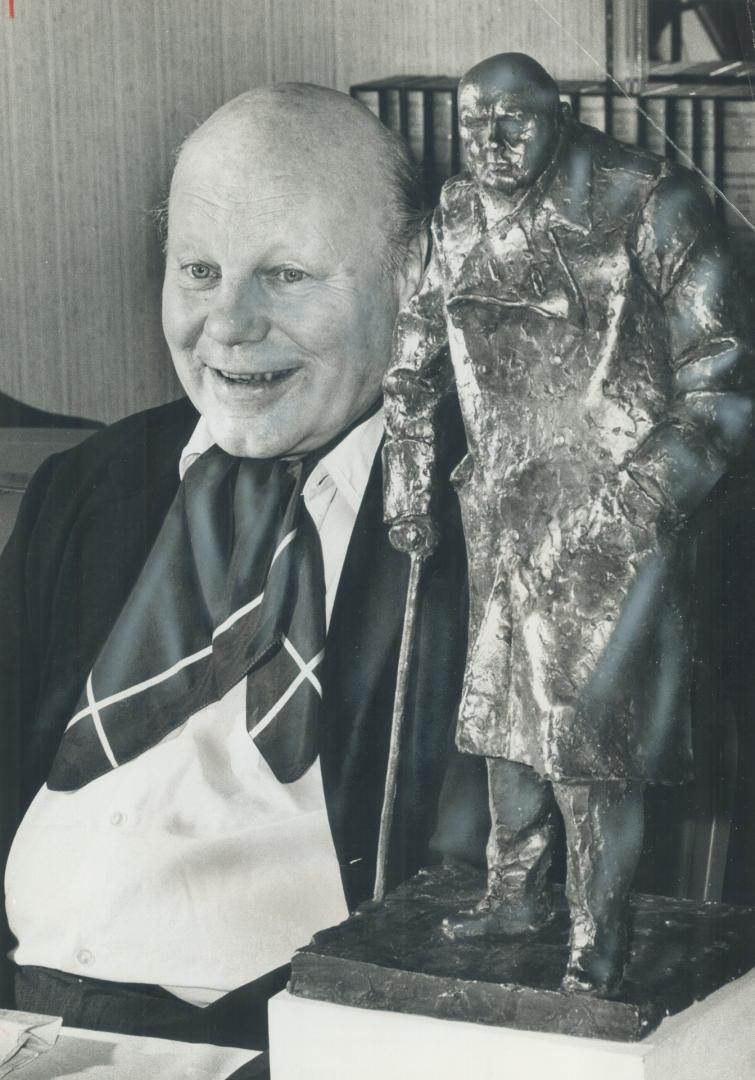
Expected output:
(598, 342)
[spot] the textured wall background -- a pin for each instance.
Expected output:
(94, 96)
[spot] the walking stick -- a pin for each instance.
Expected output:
(399, 702)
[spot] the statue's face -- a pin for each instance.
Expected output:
(508, 143)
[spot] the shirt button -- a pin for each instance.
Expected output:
(559, 440)
(556, 359)
(117, 817)
(84, 957)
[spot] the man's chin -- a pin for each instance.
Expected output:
(249, 441)
(253, 425)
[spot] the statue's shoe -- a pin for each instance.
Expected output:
(496, 920)
(596, 969)
(581, 981)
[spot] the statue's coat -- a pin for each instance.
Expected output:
(597, 338)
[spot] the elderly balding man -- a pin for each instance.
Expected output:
(202, 611)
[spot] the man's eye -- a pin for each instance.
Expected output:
(200, 271)
(289, 275)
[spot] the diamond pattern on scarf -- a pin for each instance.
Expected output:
(233, 587)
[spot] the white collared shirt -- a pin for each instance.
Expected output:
(191, 867)
(332, 494)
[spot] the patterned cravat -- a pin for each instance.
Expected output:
(233, 587)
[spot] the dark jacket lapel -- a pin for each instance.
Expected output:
(359, 669)
(109, 496)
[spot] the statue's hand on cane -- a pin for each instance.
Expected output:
(415, 536)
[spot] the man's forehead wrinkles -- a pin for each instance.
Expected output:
(269, 225)
(233, 214)
(262, 204)
(223, 195)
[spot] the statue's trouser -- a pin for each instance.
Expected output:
(604, 826)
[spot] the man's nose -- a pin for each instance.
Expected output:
(238, 313)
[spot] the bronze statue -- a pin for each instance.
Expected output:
(580, 297)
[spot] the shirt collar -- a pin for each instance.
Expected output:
(200, 441)
(348, 464)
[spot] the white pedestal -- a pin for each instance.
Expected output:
(314, 1040)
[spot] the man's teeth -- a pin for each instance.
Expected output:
(261, 377)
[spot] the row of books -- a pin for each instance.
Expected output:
(708, 126)
(423, 110)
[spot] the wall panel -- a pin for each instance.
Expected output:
(95, 95)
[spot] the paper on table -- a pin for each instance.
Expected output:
(101, 1055)
(23, 1037)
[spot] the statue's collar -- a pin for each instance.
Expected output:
(567, 195)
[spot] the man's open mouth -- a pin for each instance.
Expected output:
(260, 378)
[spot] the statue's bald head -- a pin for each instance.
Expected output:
(316, 136)
(513, 75)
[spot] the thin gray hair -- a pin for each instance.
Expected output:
(408, 212)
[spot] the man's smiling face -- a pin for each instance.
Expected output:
(277, 305)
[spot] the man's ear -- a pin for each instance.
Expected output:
(409, 277)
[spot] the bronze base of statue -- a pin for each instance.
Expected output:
(396, 956)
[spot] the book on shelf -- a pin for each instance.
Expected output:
(423, 110)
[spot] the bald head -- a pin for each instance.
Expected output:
(311, 135)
